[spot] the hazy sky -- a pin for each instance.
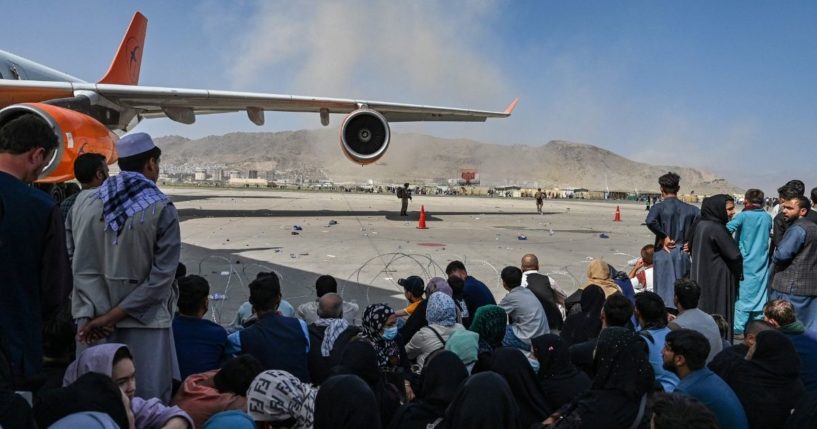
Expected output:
(730, 87)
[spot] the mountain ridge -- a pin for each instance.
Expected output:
(419, 157)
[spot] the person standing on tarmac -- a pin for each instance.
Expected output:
(404, 194)
(540, 196)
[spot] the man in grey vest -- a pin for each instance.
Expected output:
(124, 265)
(795, 260)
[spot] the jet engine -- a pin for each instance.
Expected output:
(76, 133)
(364, 136)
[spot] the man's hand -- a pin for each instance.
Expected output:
(669, 244)
(100, 327)
(95, 330)
(409, 392)
(685, 248)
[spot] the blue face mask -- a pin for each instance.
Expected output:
(534, 364)
(390, 333)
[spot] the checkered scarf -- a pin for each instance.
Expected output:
(334, 327)
(124, 195)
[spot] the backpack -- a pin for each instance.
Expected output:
(400, 193)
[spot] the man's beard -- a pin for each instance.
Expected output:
(670, 366)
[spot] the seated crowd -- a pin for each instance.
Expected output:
(616, 362)
(615, 354)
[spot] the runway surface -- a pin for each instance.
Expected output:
(230, 235)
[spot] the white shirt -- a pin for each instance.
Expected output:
(648, 285)
(553, 283)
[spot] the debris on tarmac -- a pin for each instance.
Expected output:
(603, 235)
(522, 237)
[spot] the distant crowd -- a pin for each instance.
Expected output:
(714, 326)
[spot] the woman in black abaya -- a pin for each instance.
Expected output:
(617, 397)
(360, 359)
(440, 380)
(511, 364)
(561, 381)
(485, 401)
(345, 402)
(767, 381)
(585, 325)
(717, 265)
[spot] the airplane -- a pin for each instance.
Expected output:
(89, 117)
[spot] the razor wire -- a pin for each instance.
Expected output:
(220, 298)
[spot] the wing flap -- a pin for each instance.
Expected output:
(154, 99)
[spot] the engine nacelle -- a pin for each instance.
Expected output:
(364, 136)
(76, 133)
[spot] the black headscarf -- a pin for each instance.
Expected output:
(768, 385)
(441, 379)
(345, 402)
(712, 209)
(15, 411)
(623, 378)
(511, 364)
(553, 356)
(776, 356)
(485, 401)
(561, 381)
(621, 363)
(583, 326)
(360, 359)
(91, 392)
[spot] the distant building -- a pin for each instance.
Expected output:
(247, 183)
(200, 175)
(218, 175)
(252, 174)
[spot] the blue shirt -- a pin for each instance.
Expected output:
(790, 246)
(656, 343)
(476, 294)
(200, 344)
(234, 340)
(705, 386)
(806, 346)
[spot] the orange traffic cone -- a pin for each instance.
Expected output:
(617, 218)
(422, 223)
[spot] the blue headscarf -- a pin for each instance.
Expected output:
(230, 419)
(441, 310)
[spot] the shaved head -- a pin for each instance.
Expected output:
(530, 262)
(330, 306)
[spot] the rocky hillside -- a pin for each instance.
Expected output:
(425, 158)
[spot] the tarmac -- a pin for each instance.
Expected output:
(229, 235)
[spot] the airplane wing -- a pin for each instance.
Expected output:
(183, 105)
